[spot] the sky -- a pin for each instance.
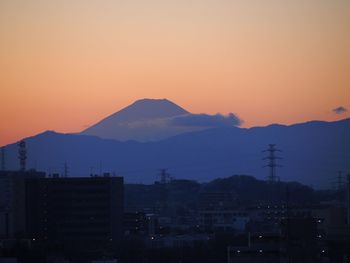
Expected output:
(64, 64)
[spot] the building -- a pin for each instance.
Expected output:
(84, 212)
(262, 248)
(276, 213)
(12, 202)
(223, 220)
(328, 216)
(135, 223)
(177, 241)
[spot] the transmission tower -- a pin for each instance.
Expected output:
(65, 170)
(272, 162)
(339, 183)
(3, 163)
(22, 155)
(164, 176)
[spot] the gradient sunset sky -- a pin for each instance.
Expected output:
(66, 64)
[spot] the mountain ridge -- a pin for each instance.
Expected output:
(312, 152)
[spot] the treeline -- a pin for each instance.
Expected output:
(246, 189)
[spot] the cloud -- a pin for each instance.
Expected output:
(205, 120)
(339, 110)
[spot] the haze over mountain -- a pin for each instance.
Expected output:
(312, 153)
(155, 119)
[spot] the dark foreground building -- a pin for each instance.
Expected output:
(80, 213)
(12, 202)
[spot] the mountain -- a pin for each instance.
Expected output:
(143, 120)
(143, 109)
(155, 119)
(312, 153)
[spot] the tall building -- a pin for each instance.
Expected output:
(12, 202)
(75, 211)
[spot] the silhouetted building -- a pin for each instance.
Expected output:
(328, 216)
(338, 243)
(262, 248)
(223, 220)
(301, 237)
(12, 202)
(177, 241)
(84, 212)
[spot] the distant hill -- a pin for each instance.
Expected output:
(313, 152)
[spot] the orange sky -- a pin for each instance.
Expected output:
(67, 64)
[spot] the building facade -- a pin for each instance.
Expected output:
(12, 202)
(87, 210)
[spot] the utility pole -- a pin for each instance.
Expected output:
(3, 161)
(272, 163)
(22, 155)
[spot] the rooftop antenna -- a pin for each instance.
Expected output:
(3, 163)
(272, 163)
(22, 155)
